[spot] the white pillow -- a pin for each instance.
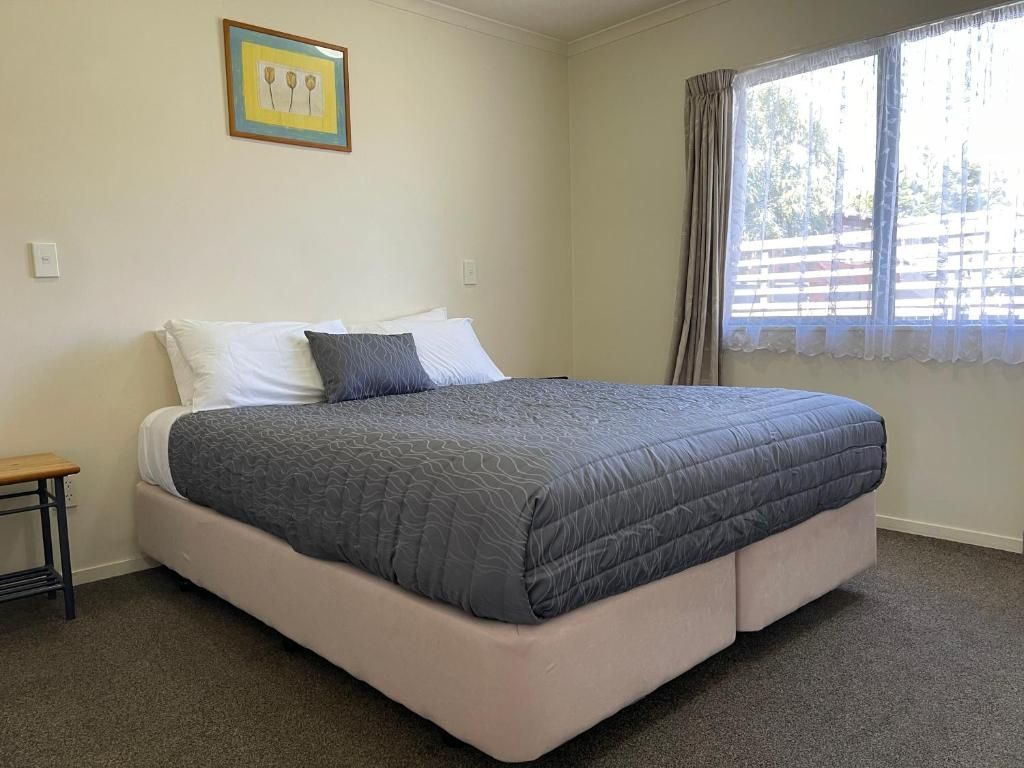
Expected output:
(238, 364)
(401, 324)
(450, 353)
(183, 376)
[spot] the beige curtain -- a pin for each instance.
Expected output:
(698, 325)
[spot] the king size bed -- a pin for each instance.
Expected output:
(520, 559)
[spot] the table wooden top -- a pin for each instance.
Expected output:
(37, 466)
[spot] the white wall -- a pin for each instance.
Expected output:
(115, 145)
(956, 431)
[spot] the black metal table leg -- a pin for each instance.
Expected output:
(65, 550)
(44, 515)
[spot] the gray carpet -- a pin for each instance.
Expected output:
(917, 663)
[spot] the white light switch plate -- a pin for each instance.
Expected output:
(469, 272)
(44, 259)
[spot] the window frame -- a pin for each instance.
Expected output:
(887, 52)
(786, 69)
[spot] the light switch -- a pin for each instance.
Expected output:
(469, 272)
(44, 258)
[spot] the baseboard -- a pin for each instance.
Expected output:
(951, 533)
(932, 530)
(110, 570)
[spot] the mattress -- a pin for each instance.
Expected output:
(522, 500)
(154, 434)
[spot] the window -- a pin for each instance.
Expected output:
(878, 197)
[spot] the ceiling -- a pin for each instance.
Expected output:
(566, 20)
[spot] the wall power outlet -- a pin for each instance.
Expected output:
(70, 492)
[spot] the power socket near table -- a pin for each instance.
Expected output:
(70, 491)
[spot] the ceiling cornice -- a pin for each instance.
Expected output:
(438, 11)
(482, 24)
(642, 23)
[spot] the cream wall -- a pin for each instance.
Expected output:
(956, 431)
(114, 145)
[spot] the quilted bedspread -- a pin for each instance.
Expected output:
(524, 499)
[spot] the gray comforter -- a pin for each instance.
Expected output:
(523, 499)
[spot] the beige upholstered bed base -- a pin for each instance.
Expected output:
(515, 692)
(777, 575)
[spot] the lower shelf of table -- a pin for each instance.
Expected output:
(34, 581)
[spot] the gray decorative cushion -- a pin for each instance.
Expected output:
(355, 366)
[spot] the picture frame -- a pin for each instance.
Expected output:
(286, 88)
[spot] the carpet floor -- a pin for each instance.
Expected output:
(919, 662)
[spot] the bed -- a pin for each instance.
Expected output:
(520, 559)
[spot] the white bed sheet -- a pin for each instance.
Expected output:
(154, 434)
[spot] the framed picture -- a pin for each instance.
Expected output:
(286, 88)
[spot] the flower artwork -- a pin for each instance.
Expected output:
(268, 75)
(286, 89)
(311, 86)
(292, 79)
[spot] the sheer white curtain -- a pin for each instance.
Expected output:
(878, 197)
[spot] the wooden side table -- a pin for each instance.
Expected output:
(41, 468)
